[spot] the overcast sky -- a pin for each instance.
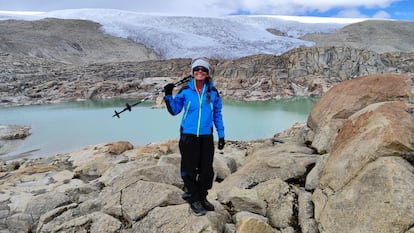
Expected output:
(392, 9)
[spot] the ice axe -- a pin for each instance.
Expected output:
(129, 107)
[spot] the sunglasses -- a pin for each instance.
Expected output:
(198, 68)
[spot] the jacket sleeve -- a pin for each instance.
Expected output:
(218, 116)
(174, 104)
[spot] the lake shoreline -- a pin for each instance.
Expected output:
(74, 125)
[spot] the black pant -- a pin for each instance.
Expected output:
(197, 154)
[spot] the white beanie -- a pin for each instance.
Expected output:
(200, 62)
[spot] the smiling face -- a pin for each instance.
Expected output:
(200, 73)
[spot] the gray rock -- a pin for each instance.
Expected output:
(244, 200)
(267, 162)
(306, 216)
(379, 199)
(247, 222)
(280, 199)
(12, 132)
(11, 136)
(312, 179)
(179, 218)
(139, 198)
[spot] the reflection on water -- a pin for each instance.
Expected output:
(66, 127)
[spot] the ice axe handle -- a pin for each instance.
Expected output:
(129, 107)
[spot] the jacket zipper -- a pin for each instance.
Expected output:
(200, 100)
(186, 110)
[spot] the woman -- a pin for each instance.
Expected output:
(201, 103)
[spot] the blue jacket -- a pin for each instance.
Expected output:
(199, 114)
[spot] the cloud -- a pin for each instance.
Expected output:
(355, 13)
(351, 13)
(297, 7)
(381, 15)
(329, 4)
(204, 8)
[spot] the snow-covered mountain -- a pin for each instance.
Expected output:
(227, 37)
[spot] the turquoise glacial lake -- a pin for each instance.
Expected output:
(68, 127)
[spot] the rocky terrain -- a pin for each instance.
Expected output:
(299, 72)
(349, 168)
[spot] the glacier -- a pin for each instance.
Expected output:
(226, 37)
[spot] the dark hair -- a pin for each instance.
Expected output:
(208, 79)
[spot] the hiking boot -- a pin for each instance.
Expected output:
(207, 205)
(197, 208)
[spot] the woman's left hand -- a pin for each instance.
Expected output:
(221, 143)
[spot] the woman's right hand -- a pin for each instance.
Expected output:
(168, 89)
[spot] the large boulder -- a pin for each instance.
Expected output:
(280, 198)
(179, 218)
(136, 200)
(379, 199)
(285, 161)
(379, 130)
(12, 132)
(366, 180)
(348, 97)
(247, 222)
(12, 136)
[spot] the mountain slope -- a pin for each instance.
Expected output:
(376, 35)
(68, 41)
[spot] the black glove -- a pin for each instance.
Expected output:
(221, 143)
(168, 89)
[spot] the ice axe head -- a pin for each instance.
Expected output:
(128, 107)
(116, 114)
